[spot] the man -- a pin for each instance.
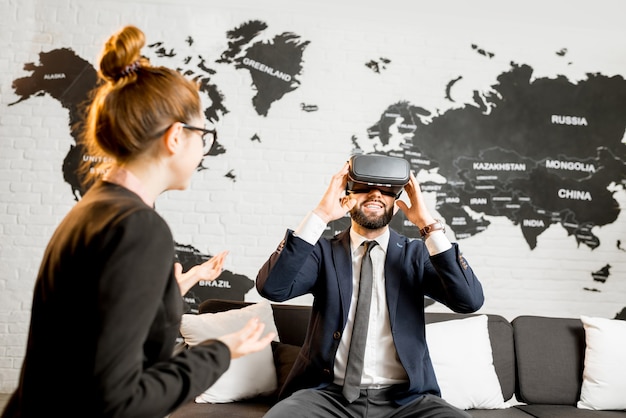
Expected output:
(397, 379)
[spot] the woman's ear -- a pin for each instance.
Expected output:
(172, 138)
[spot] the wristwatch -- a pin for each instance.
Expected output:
(437, 226)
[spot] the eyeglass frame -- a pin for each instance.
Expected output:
(205, 132)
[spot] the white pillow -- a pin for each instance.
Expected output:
(460, 350)
(247, 376)
(604, 372)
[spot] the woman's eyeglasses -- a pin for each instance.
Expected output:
(209, 136)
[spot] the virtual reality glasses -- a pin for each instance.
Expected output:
(370, 171)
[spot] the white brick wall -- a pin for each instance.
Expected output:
(282, 178)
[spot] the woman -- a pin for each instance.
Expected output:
(107, 301)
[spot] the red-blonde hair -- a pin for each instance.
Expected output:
(134, 103)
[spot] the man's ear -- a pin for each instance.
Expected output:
(172, 138)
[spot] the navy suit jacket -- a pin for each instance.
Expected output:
(297, 268)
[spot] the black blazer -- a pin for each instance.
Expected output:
(105, 317)
(325, 270)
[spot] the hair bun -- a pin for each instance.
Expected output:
(121, 55)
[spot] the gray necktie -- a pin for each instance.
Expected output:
(354, 368)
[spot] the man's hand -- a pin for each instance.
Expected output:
(335, 203)
(418, 213)
(209, 271)
(248, 339)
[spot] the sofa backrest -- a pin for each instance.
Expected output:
(502, 346)
(550, 359)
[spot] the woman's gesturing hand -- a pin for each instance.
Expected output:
(248, 339)
(208, 271)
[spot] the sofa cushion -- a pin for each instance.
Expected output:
(549, 354)
(247, 408)
(565, 411)
(502, 347)
(285, 356)
(512, 412)
(604, 373)
(461, 355)
(291, 323)
(247, 376)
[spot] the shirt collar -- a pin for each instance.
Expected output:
(356, 240)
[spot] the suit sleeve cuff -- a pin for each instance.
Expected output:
(437, 242)
(311, 228)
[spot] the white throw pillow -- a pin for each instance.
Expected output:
(460, 350)
(247, 376)
(604, 373)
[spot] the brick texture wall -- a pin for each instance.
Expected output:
(280, 177)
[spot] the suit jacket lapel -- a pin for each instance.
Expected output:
(342, 259)
(393, 273)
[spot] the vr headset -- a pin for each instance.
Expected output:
(370, 171)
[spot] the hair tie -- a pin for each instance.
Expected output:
(130, 68)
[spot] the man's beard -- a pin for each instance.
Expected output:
(378, 222)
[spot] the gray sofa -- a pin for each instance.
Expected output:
(539, 359)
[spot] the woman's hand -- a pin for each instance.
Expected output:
(209, 271)
(248, 339)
